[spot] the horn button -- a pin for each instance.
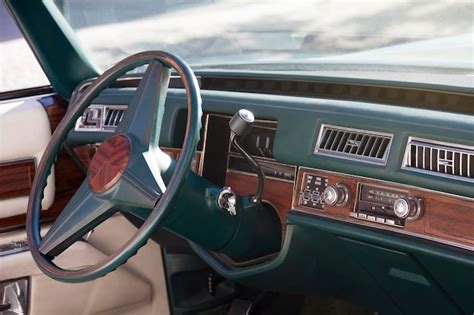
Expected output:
(109, 163)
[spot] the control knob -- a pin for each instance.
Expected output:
(336, 195)
(410, 208)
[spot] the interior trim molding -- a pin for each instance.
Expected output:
(16, 178)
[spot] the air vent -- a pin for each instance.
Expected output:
(113, 116)
(354, 144)
(100, 118)
(440, 159)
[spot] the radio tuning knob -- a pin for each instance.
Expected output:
(336, 195)
(408, 208)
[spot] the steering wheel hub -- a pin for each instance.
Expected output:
(109, 163)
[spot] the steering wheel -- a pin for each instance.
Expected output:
(125, 173)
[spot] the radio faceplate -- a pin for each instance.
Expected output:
(375, 204)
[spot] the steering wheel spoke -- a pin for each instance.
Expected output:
(82, 213)
(144, 115)
(142, 183)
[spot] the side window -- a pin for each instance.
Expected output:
(19, 68)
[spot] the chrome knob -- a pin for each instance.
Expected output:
(408, 208)
(241, 123)
(336, 195)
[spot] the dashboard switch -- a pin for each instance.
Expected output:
(310, 195)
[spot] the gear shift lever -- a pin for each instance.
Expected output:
(258, 232)
(241, 123)
(240, 126)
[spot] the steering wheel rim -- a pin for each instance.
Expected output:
(160, 209)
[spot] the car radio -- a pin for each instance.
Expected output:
(378, 205)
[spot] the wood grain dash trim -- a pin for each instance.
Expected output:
(16, 178)
(450, 219)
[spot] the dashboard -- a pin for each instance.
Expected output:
(373, 185)
(438, 216)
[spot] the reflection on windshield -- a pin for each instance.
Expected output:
(220, 31)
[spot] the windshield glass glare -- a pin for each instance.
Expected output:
(278, 34)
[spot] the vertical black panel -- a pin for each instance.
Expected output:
(216, 149)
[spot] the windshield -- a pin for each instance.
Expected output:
(280, 35)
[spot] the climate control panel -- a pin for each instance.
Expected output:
(312, 188)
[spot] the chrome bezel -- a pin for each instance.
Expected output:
(418, 209)
(460, 148)
(103, 108)
(347, 195)
(352, 157)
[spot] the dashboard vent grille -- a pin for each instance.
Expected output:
(354, 144)
(113, 116)
(440, 159)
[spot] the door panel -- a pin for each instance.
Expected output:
(16, 175)
(137, 287)
(24, 133)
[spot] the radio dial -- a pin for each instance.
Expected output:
(337, 195)
(408, 208)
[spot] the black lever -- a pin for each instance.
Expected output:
(5, 307)
(240, 126)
